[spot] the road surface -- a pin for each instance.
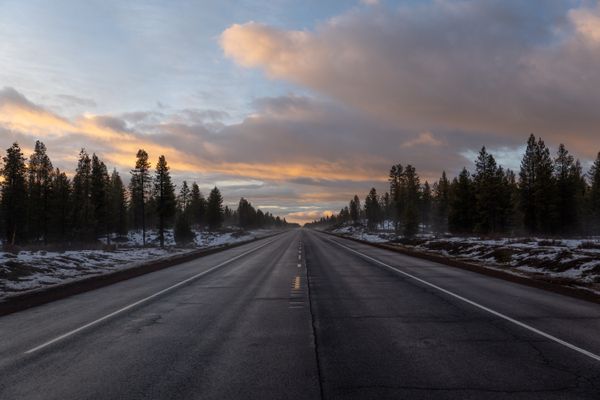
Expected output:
(304, 315)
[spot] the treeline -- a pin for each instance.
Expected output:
(549, 196)
(40, 204)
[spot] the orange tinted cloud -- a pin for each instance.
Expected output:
(117, 144)
(401, 66)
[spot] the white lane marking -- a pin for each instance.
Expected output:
(299, 265)
(145, 299)
(482, 307)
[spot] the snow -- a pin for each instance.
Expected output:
(576, 260)
(31, 270)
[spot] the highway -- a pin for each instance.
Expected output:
(304, 315)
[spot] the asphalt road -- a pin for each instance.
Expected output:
(304, 316)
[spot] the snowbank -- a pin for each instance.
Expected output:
(570, 260)
(31, 270)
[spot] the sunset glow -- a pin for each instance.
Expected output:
(311, 106)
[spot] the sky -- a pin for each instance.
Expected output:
(298, 105)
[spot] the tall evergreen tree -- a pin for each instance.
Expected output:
(39, 186)
(594, 196)
(372, 209)
(164, 193)
(14, 195)
(140, 189)
(513, 215)
(462, 201)
(60, 204)
(183, 230)
(386, 207)
(425, 205)
(344, 214)
(99, 197)
(489, 194)
(537, 188)
(83, 210)
(246, 214)
(409, 196)
(545, 190)
(441, 195)
(355, 209)
(568, 177)
(118, 205)
(395, 178)
(184, 199)
(214, 210)
(197, 206)
(527, 184)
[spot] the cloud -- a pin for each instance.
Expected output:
(287, 139)
(425, 138)
(493, 68)
(323, 151)
(106, 135)
(586, 22)
(10, 97)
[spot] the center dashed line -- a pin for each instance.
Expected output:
(297, 295)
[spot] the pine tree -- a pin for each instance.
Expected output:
(118, 204)
(441, 194)
(139, 189)
(214, 210)
(489, 194)
(581, 191)
(537, 188)
(83, 210)
(594, 196)
(197, 206)
(462, 201)
(527, 184)
(164, 193)
(14, 195)
(386, 207)
(355, 209)
(99, 197)
(262, 220)
(344, 214)
(568, 177)
(512, 210)
(183, 230)
(425, 206)
(410, 199)
(39, 186)
(545, 196)
(60, 204)
(246, 214)
(184, 199)
(396, 194)
(372, 209)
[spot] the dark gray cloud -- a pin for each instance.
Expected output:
(11, 97)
